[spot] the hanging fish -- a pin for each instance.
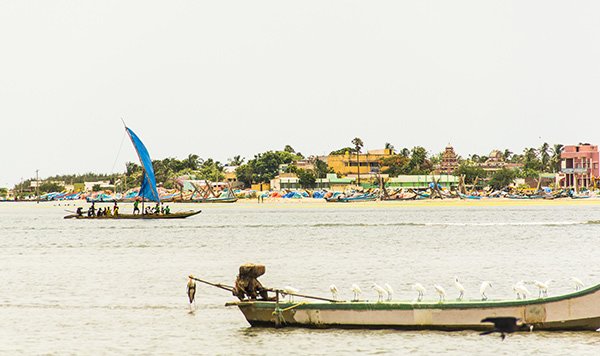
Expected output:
(191, 291)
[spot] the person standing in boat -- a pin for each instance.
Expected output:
(136, 207)
(157, 209)
(115, 209)
(79, 211)
(167, 210)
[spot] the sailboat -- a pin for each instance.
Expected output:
(148, 191)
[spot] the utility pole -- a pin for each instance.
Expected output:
(37, 186)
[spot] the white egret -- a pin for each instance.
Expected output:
(484, 285)
(460, 288)
(288, 290)
(389, 290)
(542, 287)
(440, 291)
(578, 283)
(357, 291)
(334, 291)
(380, 292)
(420, 289)
(521, 290)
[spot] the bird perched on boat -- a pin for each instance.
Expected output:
(420, 289)
(380, 292)
(356, 291)
(389, 290)
(521, 290)
(484, 286)
(542, 287)
(505, 325)
(440, 291)
(334, 291)
(577, 282)
(460, 288)
(289, 291)
(191, 291)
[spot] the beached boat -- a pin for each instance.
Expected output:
(579, 310)
(147, 192)
(228, 199)
(351, 199)
(177, 215)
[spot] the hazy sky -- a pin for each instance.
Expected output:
(219, 78)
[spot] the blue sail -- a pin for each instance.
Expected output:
(148, 189)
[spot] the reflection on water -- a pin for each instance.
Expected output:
(119, 286)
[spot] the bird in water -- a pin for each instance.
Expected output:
(484, 286)
(505, 325)
(577, 282)
(460, 288)
(191, 292)
(420, 289)
(440, 291)
(380, 292)
(334, 291)
(521, 290)
(356, 291)
(389, 290)
(290, 291)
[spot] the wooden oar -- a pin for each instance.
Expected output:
(218, 285)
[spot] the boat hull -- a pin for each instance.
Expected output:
(179, 215)
(576, 311)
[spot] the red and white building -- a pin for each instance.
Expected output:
(579, 166)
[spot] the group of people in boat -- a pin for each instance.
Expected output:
(159, 209)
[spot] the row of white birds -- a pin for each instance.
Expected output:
(386, 292)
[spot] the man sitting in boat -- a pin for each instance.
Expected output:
(167, 210)
(115, 209)
(136, 207)
(79, 211)
(157, 209)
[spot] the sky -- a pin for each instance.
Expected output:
(221, 78)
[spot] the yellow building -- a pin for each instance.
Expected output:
(368, 162)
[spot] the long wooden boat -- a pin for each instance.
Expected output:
(177, 215)
(361, 198)
(574, 311)
(213, 200)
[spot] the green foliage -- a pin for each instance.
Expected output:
(264, 166)
(419, 164)
(96, 188)
(236, 161)
(211, 170)
(502, 178)
(342, 151)
(48, 187)
(306, 178)
(321, 169)
(470, 171)
(396, 165)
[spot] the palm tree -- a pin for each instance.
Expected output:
(358, 144)
(236, 161)
(555, 160)
(544, 155)
(506, 155)
(192, 161)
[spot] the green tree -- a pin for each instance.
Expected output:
(211, 170)
(502, 178)
(289, 149)
(321, 169)
(96, 188)
(306, 178)
(236, 161)
(471, 171)
(419, 164)
(389, 146)
(396, 165)
(544, 152)
(555, 159)
(342, 151)
(530, 160)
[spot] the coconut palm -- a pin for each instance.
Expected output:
(358, 144)
(555, 160)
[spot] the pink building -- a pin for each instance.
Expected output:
(579, 165)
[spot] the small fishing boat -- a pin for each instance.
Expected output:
(147, 192)
(574, 311)
(177, 215)
(227, 199)
(351, 199)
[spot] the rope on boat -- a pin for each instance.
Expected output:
(293, 306)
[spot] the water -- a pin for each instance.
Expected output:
(96, 287)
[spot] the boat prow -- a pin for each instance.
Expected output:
(573, 311)
(177, 215)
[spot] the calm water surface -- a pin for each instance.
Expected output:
(98, 287)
